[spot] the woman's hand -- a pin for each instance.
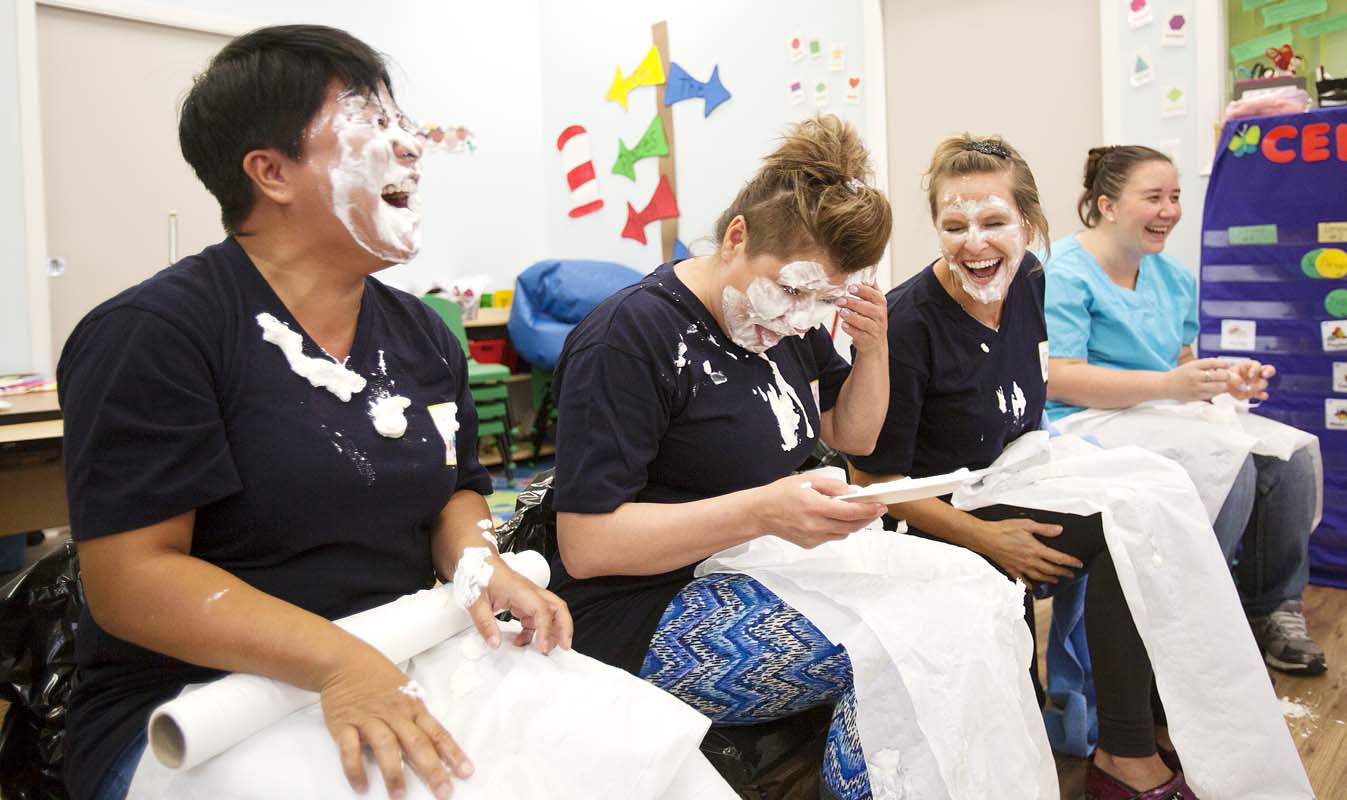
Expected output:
(1014, 546)
(865, 318)
(545, 617)
(1198, 379)
(368, 701)
(1248, 380)
(800, 509)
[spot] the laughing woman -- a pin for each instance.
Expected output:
(968, 374)
(262, 437)
(685, 402)
(1122, 320)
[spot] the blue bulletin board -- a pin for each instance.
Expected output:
(1274, 275)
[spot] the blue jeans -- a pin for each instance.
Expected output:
(117, 782)
(1270, 508)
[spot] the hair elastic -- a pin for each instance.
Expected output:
(987, 148)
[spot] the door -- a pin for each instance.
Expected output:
(113, 173)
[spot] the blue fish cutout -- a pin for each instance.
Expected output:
(680, 250)
(679, 85)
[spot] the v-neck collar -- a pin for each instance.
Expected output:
(1132, 295)
(282, 312)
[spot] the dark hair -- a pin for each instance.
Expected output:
(261, 91)
(1106, 172)
(966, 155)
(811, 193)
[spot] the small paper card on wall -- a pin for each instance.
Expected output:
(1335, 414)
(1173, 102)
(853, 88)
(837, 57)
(816, 48)
(1141, 71)
(821, 93)
(1333, 231)
(1139, 13)
(1340, 376)
(1238, 334)
(1334, 334)
(796, 92)
(795, 46)
(1175, 32)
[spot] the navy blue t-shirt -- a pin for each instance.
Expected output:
(960, 392)
(656, 405)
(173, 402)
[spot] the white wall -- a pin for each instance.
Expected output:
(16, 352)
(1028, 71)
(584, 43)
(457, 62)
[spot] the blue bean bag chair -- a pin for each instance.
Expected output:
(550, 297)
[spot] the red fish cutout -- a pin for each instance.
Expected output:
(662, 205)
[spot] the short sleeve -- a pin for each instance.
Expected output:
(897, 440)
(1189, 309)
(1067, 313)
(471, 474)
(612, 413)
(833, 369)
(144, 437)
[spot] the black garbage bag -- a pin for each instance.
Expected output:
(39, 611)
(534, 524)
(779, 760)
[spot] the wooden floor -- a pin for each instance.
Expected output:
(1320, 736)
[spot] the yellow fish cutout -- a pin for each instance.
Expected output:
(649, 73)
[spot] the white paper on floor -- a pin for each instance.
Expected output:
(939, 651)
(1209, 440)
(1224, 718)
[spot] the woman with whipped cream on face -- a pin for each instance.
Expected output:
(262, 438)
(968, 375)
(686, 401)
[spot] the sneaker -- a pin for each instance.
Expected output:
(1099, 785)
(1285, 642)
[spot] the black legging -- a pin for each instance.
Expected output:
(1123, 680)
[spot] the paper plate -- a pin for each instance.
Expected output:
(905, 490)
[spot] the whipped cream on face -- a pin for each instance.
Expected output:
(322, 373)
(373, 191)
(799, 299)
(1007, 239)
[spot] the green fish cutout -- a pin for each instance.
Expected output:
(652, 144)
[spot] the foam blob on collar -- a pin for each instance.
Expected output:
(322, 373)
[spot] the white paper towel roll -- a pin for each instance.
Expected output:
(201, 724)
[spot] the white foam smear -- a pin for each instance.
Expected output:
(322, 373)
(1017, 400)
(799, 299)
(786, 406)
(681, 359)
(717, 377)
(388, 416)
(370, 137)
(413, 690)
(984, 229)
(472, 575)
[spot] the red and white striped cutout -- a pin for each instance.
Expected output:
(579, 165)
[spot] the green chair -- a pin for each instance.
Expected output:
(490, 393)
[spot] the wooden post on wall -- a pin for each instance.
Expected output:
(668, 228)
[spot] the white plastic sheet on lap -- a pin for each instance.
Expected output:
(940, 655)
(1209, 440)
(535, 727)
(1224, 718)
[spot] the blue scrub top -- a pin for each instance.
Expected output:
(1091, 317)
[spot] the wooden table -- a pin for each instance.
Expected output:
(32, 478)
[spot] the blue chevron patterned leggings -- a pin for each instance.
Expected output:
(733, 650)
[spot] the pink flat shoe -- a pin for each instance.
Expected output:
(1099, 785)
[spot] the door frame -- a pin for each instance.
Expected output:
(30, 136)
